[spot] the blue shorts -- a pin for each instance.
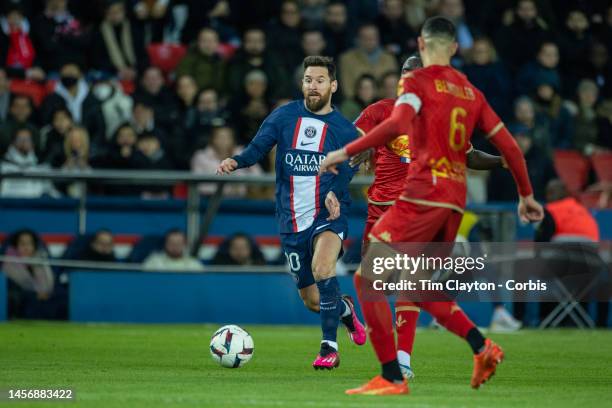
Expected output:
(299, 249)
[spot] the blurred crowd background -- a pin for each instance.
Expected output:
(182, 84)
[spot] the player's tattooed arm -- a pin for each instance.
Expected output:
(479, 160)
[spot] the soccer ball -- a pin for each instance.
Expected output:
(231, 346)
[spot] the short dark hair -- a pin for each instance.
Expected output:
(440, 27)
(19, 129)
(321, 61)
(173, 231)
(411, 63)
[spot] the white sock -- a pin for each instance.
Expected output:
(403, 358)
(331, 344)
(347, 312)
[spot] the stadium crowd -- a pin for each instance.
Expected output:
(181, 84)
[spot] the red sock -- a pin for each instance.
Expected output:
(406, 316)
(379, 321)
(449, 315)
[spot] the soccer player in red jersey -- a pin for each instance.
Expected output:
(443, 108)
(390, 162)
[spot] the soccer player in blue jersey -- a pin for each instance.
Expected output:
(311, 208)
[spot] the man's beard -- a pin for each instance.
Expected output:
(315, 105)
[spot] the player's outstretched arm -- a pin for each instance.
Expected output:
(396, 124)
(227, 166)
(479, 160)
(529, 210)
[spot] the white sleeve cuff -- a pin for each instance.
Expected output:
(410, 99)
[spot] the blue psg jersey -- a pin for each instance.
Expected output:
(302, 140)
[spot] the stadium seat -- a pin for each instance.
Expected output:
(144, 247)
(602, 163)
(226, 50)
(166, 56)
(590, 199)
(32, 89)
(573, 168)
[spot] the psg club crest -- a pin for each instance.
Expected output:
(310, 132)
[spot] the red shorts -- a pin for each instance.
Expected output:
(409, 222)
(374, 213)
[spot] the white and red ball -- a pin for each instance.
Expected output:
(231, 346)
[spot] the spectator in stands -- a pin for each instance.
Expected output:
(517, 42)
(251, 107)
(99, 248)
(149, 17)
(574, 45)
(287, 34)
(604, 126)
(200, 120)
(5, 96)
(455, 11)
(186, 93)
(21, 114)
(536, 123)
(217, 14)
(313, 12)
(540, 167)
(120, 155)
(313, 43)
(73, 154)
(395, 34)
(59, 37)
(21, 156)
(205, 161)
(544, 67)
(367, 58)
(150, 155)
(17, 53)
(54, 134)
(490, 76)
(365, 94)
(72, 92)
(240, 250)
(204, 63)
(254, 56)
(174, 256)
(585, 117)
(599, 68)
(143, 117)
(387, 87)
(604, 31)
(153, 92)
(118, 46)
(549, 104)
(30, 285)
(115, 107)
(336, 29)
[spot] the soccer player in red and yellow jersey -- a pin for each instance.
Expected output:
(442, 108)
(390, 162)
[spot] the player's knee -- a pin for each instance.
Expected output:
(311, 304)
(323, 270)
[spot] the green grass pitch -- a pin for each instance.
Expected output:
(169, 365)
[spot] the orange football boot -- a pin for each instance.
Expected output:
(485, 363)
(379, 386)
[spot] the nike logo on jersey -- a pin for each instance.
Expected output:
(306, 144)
